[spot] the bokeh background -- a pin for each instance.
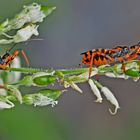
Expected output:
(77, 26)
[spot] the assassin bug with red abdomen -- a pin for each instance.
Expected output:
(102, 56)
(7, 58)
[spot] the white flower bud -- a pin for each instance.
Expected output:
(74, 86)
(42, 100)
(5, 41)
(110, 74)
(34, 13)
(25, 33)
(110, 97)
(38, 74)
(14, 91)
(86, 74)
(30, 14)
(66, 84)
(113, 75)
(95, 91)
(5, 105)
(131, 65)
(135, 79)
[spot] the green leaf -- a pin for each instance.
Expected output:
(47, 10)
(4, 24)
(132, 72)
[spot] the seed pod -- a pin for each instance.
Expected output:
(44, 80)
(38, 79)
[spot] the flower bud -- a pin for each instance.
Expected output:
(34, 13)
(5, 41)
(86, 74)
(114, 75)
(25, 33)
(43, 97)
(42, 100)
(28, 99)
(38, 79)
(43, 79)
(30, 14)
(14, 91)
(95, 91)
(110, 97)
(6, 104)
(74, 86)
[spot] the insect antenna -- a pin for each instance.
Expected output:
(83, 53)
(11, 48)
(33, 39)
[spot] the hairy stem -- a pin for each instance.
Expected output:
(35, 70)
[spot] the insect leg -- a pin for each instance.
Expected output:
(91, 63)
(24, 56)
(123, 67)
(138, 53)
(122, 60)
(135, 54)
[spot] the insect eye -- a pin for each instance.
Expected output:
(125, 49)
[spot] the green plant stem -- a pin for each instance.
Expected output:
(116, 69)
(97, 83)
(35, 70)
(26, 70)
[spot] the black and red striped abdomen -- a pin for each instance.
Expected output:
(101, 57)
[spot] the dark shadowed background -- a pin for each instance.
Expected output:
(77, 26)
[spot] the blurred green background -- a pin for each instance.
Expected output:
(77, 26)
